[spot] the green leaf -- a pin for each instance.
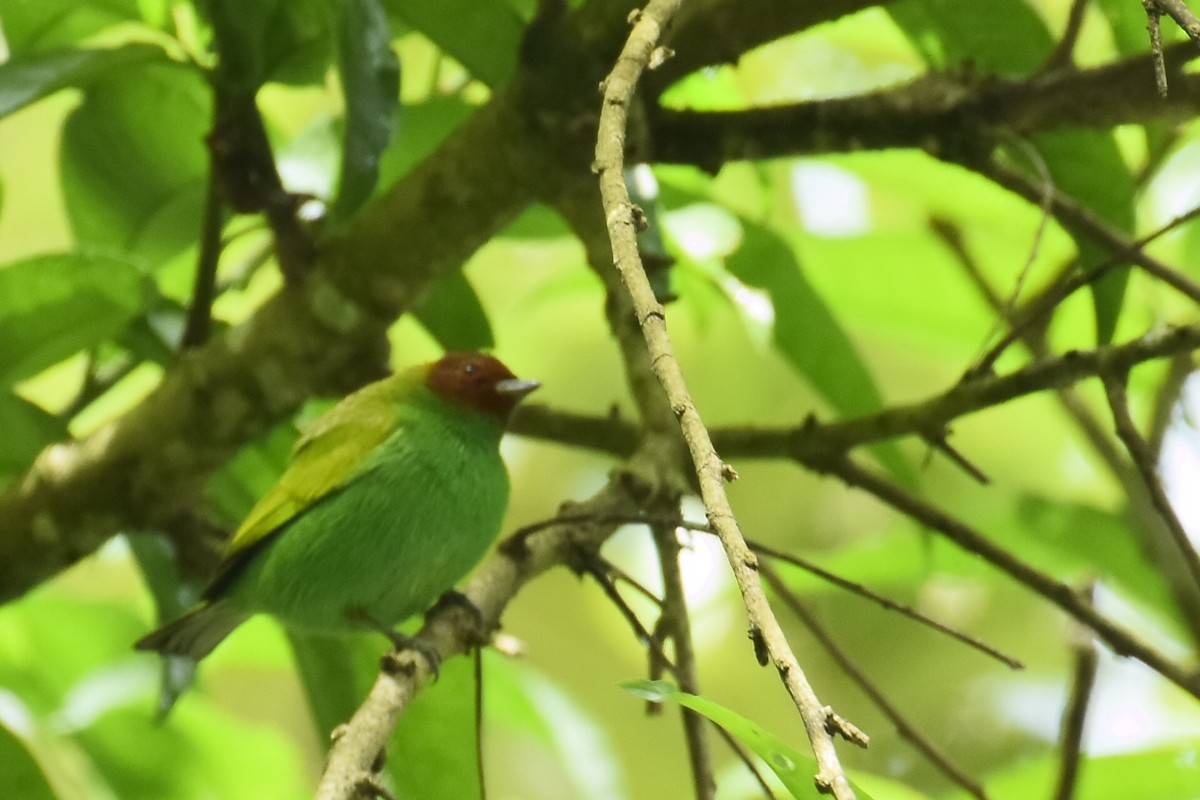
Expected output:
(1002, 36)
(425, 126)
(807, 333)
(53, 306)
(487, 46)
(1087, 165)
(133, 161)
(370, 74)
(27, 429)
(27, 79)
(1128, 23)
(433, 749)
(454, 315)
(287, 41)
(794, 769)
(39, 25)
(1160, 774)
(1007, 37)
(337, 672)
(20, 774)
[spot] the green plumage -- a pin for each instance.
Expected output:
(387, 501)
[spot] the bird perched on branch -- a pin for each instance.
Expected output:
(388, 499)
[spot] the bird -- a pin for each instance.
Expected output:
(387, 500)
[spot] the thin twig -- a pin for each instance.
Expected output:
(1122, 641)
(888, 603)
(1075, 713)
(1154, 28)
(1077, 217)
(479, 766)
(711, 472)
(1143, 460)
(678, 626)
(204, 288)
(1064, 51)
(850, 669)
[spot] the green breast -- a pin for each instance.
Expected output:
(419, 513)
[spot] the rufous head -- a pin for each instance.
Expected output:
(478, 382)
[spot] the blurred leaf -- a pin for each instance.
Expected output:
(1003, 36)
(20, 774)
(425, 126)
(1158, 774)
(236, 487)
(808, 334)
(1087, 165)
(454, 315)
(794, 769)
(1128, 24)
(521, 700)
(25, 80)
(133, 161)
(196, 753)
(286, 41)
(433, 749)
(53, 306)
(1008, 37)
(370, 74)
(27, 429)
(487, 45)
(337, 672)
(1083, 540)
(38, 25)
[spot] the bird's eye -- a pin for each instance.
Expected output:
(470, 369)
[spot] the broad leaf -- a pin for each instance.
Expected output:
(20, 774)
(27, 79)
(454, 315)
(27, 429)
(482, 35)
(41, 25)
(286, 41)
(370, 75)
(53, 306)
(1008, 37)
(133, 161)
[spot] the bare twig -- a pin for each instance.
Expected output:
(889, 604)
(850, 669)
(1122, 641)
(711, 472)
(677, 625)
(1075, 714)
(1143, 460)
(1064, 51)
(204, 288)
(1154, 28)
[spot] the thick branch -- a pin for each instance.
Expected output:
(953, 114)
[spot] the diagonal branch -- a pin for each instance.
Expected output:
(1122, 641)
(711, 472)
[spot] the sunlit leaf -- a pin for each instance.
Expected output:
(133, 161)
(487, 46)
(27, 429)
(20, 774)
(53, 306)
(42, 25)
(793, 768)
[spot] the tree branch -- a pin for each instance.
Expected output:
(621, 218)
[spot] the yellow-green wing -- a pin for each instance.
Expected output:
(324, 459)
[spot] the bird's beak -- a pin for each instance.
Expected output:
(516, 388)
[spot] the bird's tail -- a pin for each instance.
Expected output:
(196, 633)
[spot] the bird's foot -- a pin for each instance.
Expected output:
(454, 599)
(392, 662)
(400, 642)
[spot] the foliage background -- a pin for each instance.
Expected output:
(807, 283)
